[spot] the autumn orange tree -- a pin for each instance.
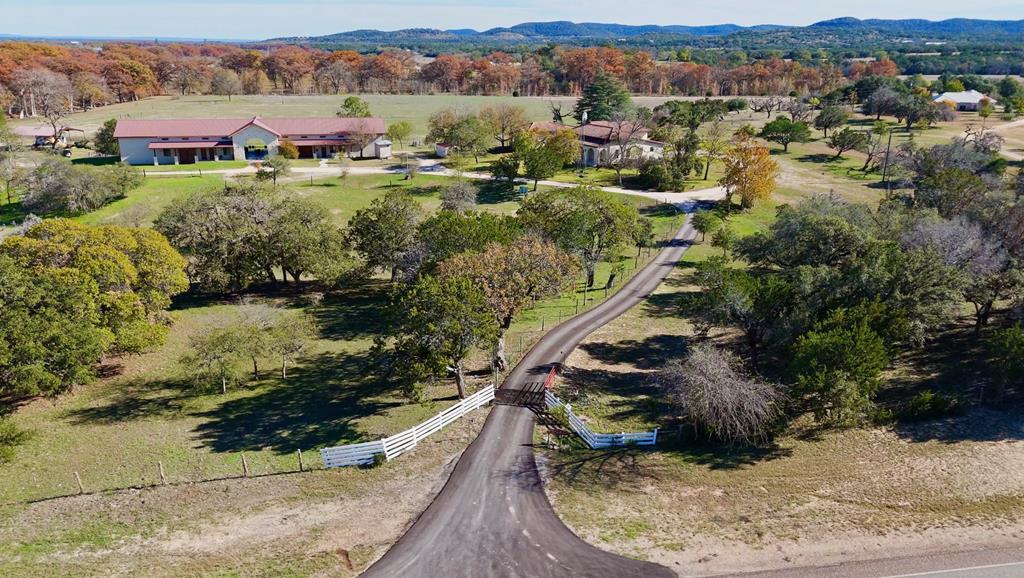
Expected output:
(512, 277)
(750, 172)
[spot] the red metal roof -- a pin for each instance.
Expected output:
(599, 132)
(189, 145)
(320, 143)
(223, 127)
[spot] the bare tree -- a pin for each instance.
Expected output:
(875, 146)
(336, 77)
(767, 104)
(965, 247)
(459, 197)
(47, 94)
(504, 121)
(557, 115)
(718, 398)
(361, 137)
(627, 130)
(799, 110)
(225, 83)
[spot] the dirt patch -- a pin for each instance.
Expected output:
(847, 496)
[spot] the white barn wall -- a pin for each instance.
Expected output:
(252, 131)
(135, 151)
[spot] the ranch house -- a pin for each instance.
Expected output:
(968, 100)
(600, 139)
(186, 141)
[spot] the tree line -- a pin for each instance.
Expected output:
(832, 293)
(36, 76)
(459, 277)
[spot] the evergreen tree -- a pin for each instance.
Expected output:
(602, 99)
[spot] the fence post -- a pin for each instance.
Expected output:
(299, 452)
(655, 439)
(81, 489)
(245, 467)
(163, 478)
(542, 320)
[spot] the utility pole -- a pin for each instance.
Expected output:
(885, 167)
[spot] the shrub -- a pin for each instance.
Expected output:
(837, 369)
(1006, 350)
(459, 197)
(928, 405)
(288, 150)
(737, 104)
(11, 436)
(718, 398)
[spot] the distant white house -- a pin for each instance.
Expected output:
(968, 100)
(600, 141)
(186, 141)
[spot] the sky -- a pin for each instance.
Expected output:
(260, 19)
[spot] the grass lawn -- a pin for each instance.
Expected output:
(197, 166)
(143, 205)
(150, 412)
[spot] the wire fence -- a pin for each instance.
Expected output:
(519, 340)
(198, 468)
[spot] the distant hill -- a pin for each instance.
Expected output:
(955, 27)
(529, 31)
(573, 32)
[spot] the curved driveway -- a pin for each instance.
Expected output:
(493, 518)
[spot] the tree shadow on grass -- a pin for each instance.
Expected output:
(954, 363)
(136, 400)
(424, 190)
(649, 353)
(979, 425)
(601, 468)
(634, 395)
(717, 456)
(662, 305)
(496, 192)
(818, 158)
(316, 407)
(354, 313)
(663, 210)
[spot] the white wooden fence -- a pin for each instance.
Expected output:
(398, 444)
(597, 440)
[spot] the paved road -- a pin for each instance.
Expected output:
(988, 563)
(493, 518)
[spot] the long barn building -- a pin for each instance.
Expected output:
(186, 141)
